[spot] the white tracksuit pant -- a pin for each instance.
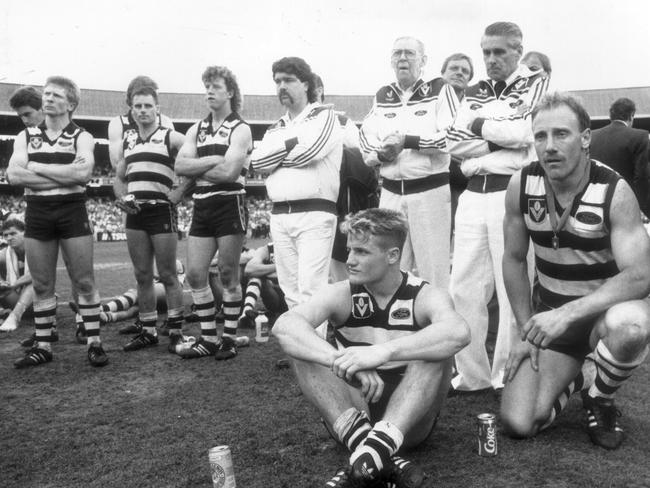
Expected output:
(427, 246)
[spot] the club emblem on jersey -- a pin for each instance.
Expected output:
(361, 306)
(156, 141)
(223, 133)
(390, 115)
(475, 106)
(401, 313)
(425, 89)
(202, 136)
(588, 218)
(36, 142)
(420, 113)
(537, 209)
(516, 103)
(64, 142)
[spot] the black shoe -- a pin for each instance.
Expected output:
(602, 421)
(200, 349)
(342, 480)
(96, 356)
(33, 357)
(227, 349)
(80, 333)
(402, 473)
(31, 340)
(142, 340)
(364, 470)
(175, 340)
(134, 328)
(247, 320)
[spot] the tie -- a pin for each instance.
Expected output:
(499, 86)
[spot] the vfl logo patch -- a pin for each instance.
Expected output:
(425, 89)
(390, 95)
(36, 142)
(588, 218)
(202, 136)
(537, 209)
(401, 314)
(361, 306)
(482, 92)
(390, 115)
(420, 113)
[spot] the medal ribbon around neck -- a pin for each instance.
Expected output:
(558, 225)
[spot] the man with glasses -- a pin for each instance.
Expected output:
(404, 134)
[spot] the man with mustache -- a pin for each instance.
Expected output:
(301, 152)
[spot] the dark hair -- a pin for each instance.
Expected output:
(13, 222)
(297, 66)
(213, 72)
(318, 83)
(144, 90)
(506, 29)
(558, 99)
(543, 59)
(26, 95)
(622, 109)
(137, 83)
(458, 57)
(72, 91)
(387, 224)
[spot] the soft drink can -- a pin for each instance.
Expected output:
(261, 328)
(223, 473)
(487, 434)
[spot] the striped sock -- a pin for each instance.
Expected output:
(352, 428)
(44, 317)
(611, 373)
(231, 310)
(381, 443)
(583, 380)
(148, 320)
(122, 302)
(175, 320)
(89, 309)
(204, 307)
(253, 292)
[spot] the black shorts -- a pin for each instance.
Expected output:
(218, 216)
(53, 220)
(159, 218)
(340, 248)
(575, 341)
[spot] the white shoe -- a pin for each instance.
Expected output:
(10, 323)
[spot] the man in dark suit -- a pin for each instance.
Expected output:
(624, 149)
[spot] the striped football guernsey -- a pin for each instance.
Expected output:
(584, 259)
(149, 164)
(215, 141)
(62, 150)
(368, 324)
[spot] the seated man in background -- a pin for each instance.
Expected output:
(16, 290)
(383, 383)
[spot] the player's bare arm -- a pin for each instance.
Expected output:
(187, 162)
(256, 266)
(445, 335)
(17, 171)
(76, 173)
(114, 141)
(177, 141)
(233, 161)
(296, 329)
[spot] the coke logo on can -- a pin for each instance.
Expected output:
(487, 435)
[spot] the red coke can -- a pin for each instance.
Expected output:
(487, 434)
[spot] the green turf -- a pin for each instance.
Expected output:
(149, 418)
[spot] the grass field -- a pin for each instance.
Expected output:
(149, 418)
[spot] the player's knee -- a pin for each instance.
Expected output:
(628, 324)
(517, 425)
(85, 286)
(168, 278)
(228, 275)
